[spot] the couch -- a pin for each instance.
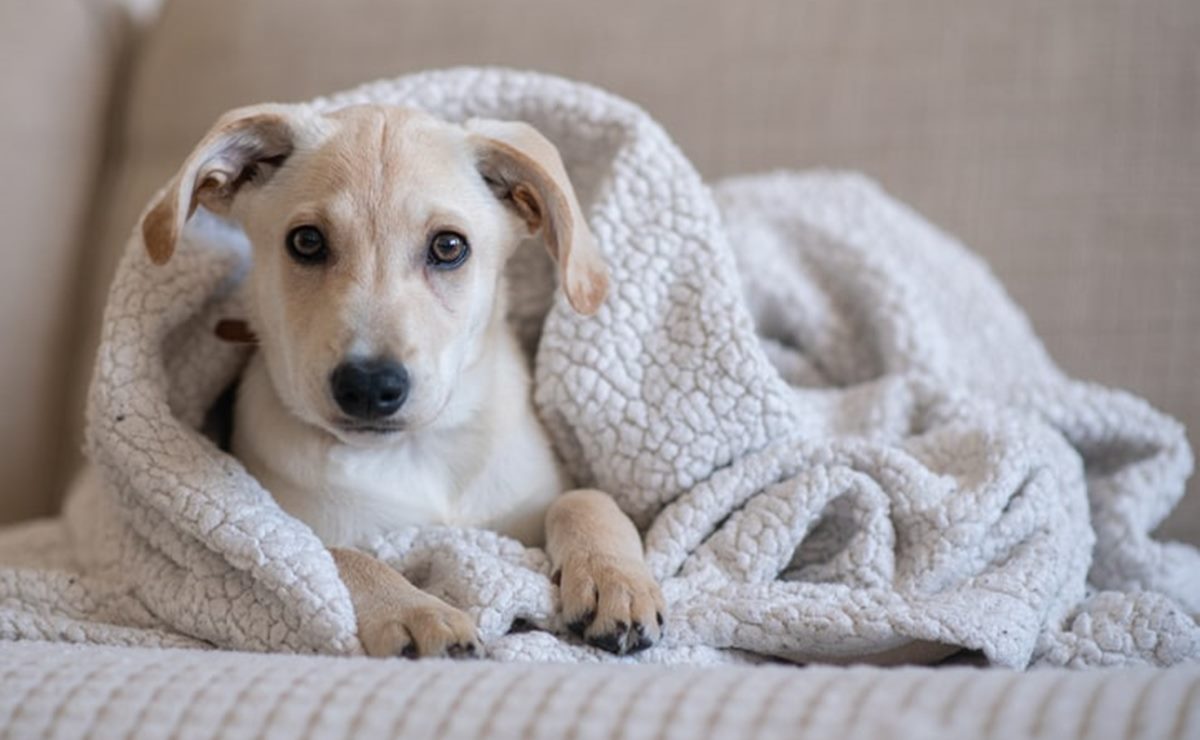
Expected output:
(1061, 141)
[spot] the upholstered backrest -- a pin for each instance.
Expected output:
(57, 61)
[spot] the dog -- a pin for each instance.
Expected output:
(387, 388)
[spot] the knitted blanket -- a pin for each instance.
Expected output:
(839, 435)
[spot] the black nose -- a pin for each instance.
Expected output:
(369, 389)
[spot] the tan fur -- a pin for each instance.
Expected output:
(605, 587)
(397, 618)
(466, 448)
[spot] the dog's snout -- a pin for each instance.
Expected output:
(369, 389)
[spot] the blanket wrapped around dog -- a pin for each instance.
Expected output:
(840, 437)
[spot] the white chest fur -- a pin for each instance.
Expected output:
(494, 471)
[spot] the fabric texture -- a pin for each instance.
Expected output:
(841, 435)
(77, 691)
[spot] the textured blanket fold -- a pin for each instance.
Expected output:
(840, 436)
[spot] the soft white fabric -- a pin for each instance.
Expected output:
(75, 691)
(840, 433)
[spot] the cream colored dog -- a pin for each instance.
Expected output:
(387, 388)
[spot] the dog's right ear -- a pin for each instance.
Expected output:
(237, 150)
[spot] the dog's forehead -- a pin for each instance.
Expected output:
(379, 163)
(376, 174)
(367, 118)
(388, 141)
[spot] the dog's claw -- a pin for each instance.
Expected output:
(643, 640)
(613, 642)
(462, 650)
(429, 629)
(623, 640)
(612, 604)
(577, 626)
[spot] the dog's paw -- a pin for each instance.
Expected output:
(612, 603)
(430, 628)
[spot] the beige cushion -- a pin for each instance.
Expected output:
(1060, 140)
(57, 58)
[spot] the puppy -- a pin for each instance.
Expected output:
(387, 388)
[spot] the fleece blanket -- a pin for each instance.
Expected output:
(841, 438)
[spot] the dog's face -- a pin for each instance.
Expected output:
(380, 236)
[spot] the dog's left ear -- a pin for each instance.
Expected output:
(230, 155)
(524, 170)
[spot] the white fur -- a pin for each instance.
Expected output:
(484, 463)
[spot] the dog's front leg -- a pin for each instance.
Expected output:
(608, 595)
(397, 618)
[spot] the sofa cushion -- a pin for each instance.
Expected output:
(58, 58)
(1061, 141)
(46, 691)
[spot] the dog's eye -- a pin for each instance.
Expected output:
(448, 249)
(306, 244)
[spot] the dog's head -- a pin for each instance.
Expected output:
(380, 236)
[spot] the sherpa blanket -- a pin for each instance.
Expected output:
(839, 434)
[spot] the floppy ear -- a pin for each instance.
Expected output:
(524, 169)
(233, 153)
